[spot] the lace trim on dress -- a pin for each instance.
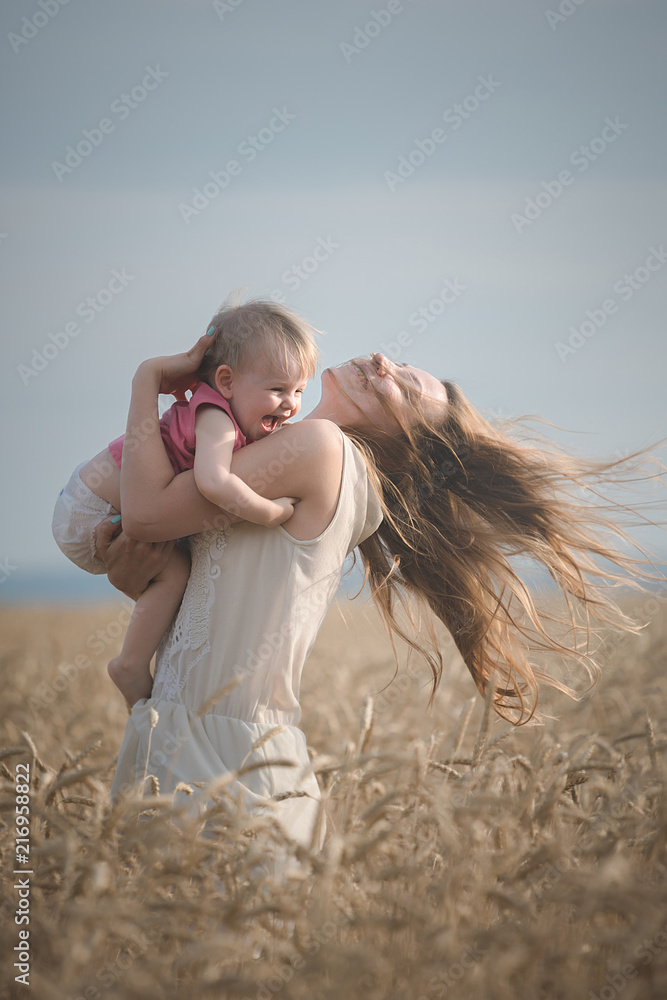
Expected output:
(186, 641)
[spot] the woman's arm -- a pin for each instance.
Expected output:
(146, 472)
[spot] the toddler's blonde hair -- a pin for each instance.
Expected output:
(259, 328)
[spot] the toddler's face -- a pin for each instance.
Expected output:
(264, 397)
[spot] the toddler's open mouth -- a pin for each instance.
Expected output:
(269, 423)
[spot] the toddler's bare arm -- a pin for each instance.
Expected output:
(214, 435)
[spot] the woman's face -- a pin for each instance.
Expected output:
(352, 390)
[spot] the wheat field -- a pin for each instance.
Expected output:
(463, 858)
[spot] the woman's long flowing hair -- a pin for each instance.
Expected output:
(461, 499)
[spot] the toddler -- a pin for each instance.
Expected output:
(251, 381)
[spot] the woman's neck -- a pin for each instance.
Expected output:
(324, 411)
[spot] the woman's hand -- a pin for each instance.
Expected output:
(131, 565)
(174, 373)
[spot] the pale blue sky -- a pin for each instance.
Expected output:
(219, 73)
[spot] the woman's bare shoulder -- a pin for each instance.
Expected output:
(316, 434)
(303, 460)
(315, 447)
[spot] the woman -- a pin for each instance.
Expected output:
(437, 503)
(225, 695)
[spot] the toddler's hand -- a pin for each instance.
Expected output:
(287, 509)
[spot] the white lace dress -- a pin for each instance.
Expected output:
(226, 688)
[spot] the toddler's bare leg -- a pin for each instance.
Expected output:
(152, 615)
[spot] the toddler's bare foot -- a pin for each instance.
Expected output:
(133, 680)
